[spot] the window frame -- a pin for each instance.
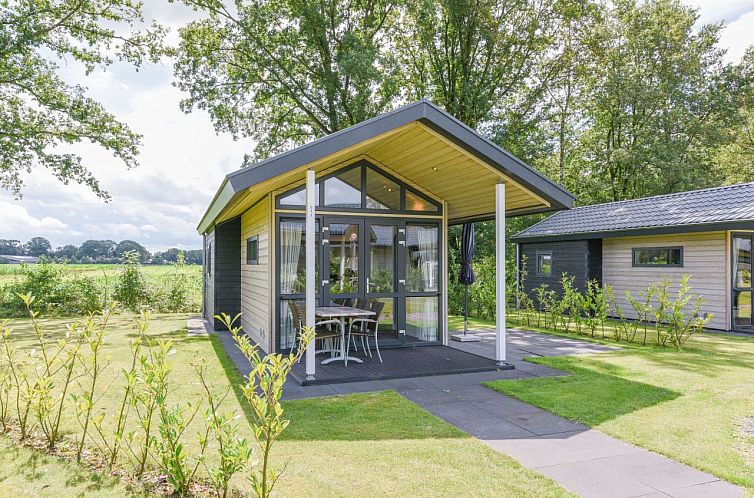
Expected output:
(208, 260)
(540, 273)
(635, 250)
(363, 165)
(254, 239)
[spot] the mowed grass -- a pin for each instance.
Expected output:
(691, 405)
(10, 272)
(376, 444)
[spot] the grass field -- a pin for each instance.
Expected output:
(377, 444)
(692, 405)
(9, 272)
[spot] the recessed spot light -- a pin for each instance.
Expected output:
(434, 168)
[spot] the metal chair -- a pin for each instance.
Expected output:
(322, 330)
(360, 304)
(366, 327)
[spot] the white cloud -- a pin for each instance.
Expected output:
(15, 219)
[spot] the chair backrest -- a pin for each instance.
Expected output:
(376, 308)
(361, 304)
(298, 314)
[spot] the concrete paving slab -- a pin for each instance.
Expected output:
(717, 489)
(657, 471)
(592, 480)
(542, 423)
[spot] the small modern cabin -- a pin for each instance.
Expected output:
(707, 234)
(369, 207)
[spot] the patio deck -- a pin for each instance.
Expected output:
(398, 363)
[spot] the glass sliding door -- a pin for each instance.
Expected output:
(742, 282)
(343, 260)
(382, 277)
(422, 264)
(361, 260)
(291, 274)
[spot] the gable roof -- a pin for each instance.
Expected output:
(717, 208)
(422, 111)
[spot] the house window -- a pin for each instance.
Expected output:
(657, 256)
(208, 259)
(544, 264)
(252, 250)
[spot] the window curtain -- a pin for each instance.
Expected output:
(427, 323)
(427, 240)
(291, 233)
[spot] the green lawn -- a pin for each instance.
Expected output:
(371, 444)
(688, 405)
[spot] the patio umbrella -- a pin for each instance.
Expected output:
(466, 275)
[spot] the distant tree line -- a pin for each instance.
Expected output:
(95, 251)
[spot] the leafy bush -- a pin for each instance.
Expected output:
(60, 290)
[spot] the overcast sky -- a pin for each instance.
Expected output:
(182, 159)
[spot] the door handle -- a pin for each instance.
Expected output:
(402, 332)
(325, 282)
(402, 282)
(368, 283)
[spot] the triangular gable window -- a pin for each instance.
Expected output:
(361, 187)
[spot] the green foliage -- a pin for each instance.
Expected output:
(262, 391)
(234, 451)
(130, 288)
(480, 61)
(304, 70)
(62, 289)
(674, 319)
(41, 114)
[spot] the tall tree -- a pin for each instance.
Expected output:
(130, 245)
(476, 56)
(39, 112)
(658, 102)
(734, 161)
(286, 71)
(11, 247)
(38, 246)
(97, 249)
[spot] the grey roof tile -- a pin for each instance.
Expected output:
(713, 205)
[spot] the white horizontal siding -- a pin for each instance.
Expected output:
(255, 279)
(704, 259)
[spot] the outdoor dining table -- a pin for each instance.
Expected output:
(341, 313)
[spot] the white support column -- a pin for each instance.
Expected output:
(311, 285)
(500, 273)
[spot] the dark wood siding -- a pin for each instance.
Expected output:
(227, 268)
(594, 260)
(567, 257)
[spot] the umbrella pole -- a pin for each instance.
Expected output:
(465, 308)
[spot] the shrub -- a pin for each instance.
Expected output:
(262, 391)
(130, 288)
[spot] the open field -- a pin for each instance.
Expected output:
(695, 405)
(371, 444)
(9, 272)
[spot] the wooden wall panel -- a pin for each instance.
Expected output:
(255, 278)
(704, 259)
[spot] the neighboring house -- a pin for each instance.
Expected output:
(707, 234)
(11, 259)
(385, 192)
